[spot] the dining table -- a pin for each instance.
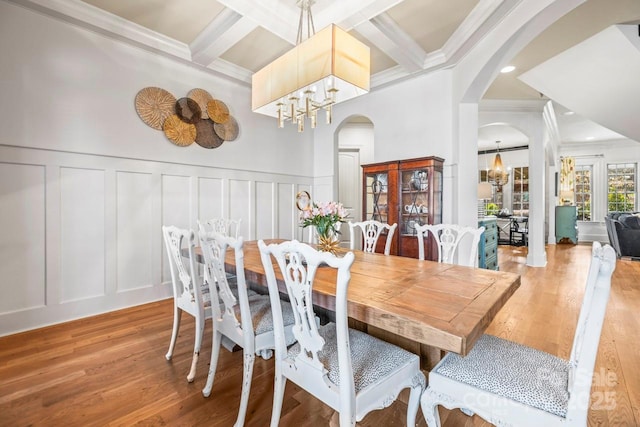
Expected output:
(424, 306)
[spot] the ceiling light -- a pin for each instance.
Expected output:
(508, 69)
(330, 66)
(568, 113)
(498, 176)
(590, 138)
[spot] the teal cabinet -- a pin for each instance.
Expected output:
(488, 246)
(566, 224)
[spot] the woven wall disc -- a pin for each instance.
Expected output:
(188, 110)
(227, 131)
(154, 105)
(179, 132)
(218, 111)
(206, 136)
(202, 97)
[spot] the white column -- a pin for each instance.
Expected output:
(465, 185)
(551, 211)
(537, 256)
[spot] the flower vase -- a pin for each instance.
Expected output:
(328, 243)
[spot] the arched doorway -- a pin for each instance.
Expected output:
(355, 138)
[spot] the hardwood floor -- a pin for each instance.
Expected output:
(111, 370)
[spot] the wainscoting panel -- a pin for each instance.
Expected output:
(210, 196)
(22, 214)
(176, 204)
(240, 204)
(287, 225)
(134, 231)
(83, 232)
(82, 223)
(264, 210)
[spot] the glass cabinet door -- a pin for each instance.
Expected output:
(520, 191)
(415, 205)
(437, 197)
(376, 201)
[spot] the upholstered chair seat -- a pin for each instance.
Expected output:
(373, 360)
(514, 371)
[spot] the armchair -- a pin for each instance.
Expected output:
(623, 229)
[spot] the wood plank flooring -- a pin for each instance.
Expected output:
(110, 370)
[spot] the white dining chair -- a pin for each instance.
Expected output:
(371, 231)
(244, 318)
(190, 293)
(350, 371)
(507, 383)
(224, 226)
(448, 238)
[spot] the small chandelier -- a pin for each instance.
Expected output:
(497, 175)
(330, 66)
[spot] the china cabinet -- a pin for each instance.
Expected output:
(406, 192)
(521, 191)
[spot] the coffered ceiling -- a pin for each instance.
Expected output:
(406, 37)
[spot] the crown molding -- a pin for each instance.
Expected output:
(388, 76)
(230, 70)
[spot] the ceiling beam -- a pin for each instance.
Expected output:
(383, 32)
(276, 17)
(227, 29)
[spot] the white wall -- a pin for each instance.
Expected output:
(410, 119)
(70, 89)
(85, 185)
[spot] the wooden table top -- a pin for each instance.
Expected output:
(440, 305)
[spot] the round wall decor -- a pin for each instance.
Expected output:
(198, 117)
(188, 110)
(227, 131)
(179, 132)
(218, 111)
(154, 105)
(202, 97)
(206, 136)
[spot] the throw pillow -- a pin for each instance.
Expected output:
(631, 221)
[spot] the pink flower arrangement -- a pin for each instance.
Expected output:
(324, 216)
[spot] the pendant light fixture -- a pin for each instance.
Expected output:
(498, 176)
(328, 67)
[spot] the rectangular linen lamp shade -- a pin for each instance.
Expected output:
(330, 59)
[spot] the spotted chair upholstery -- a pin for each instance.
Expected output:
(245, 319)
(513, 371)
(350, 371)
(507, 383)
(372, 359)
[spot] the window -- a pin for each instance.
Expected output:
(621, 193)
(583, 191)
